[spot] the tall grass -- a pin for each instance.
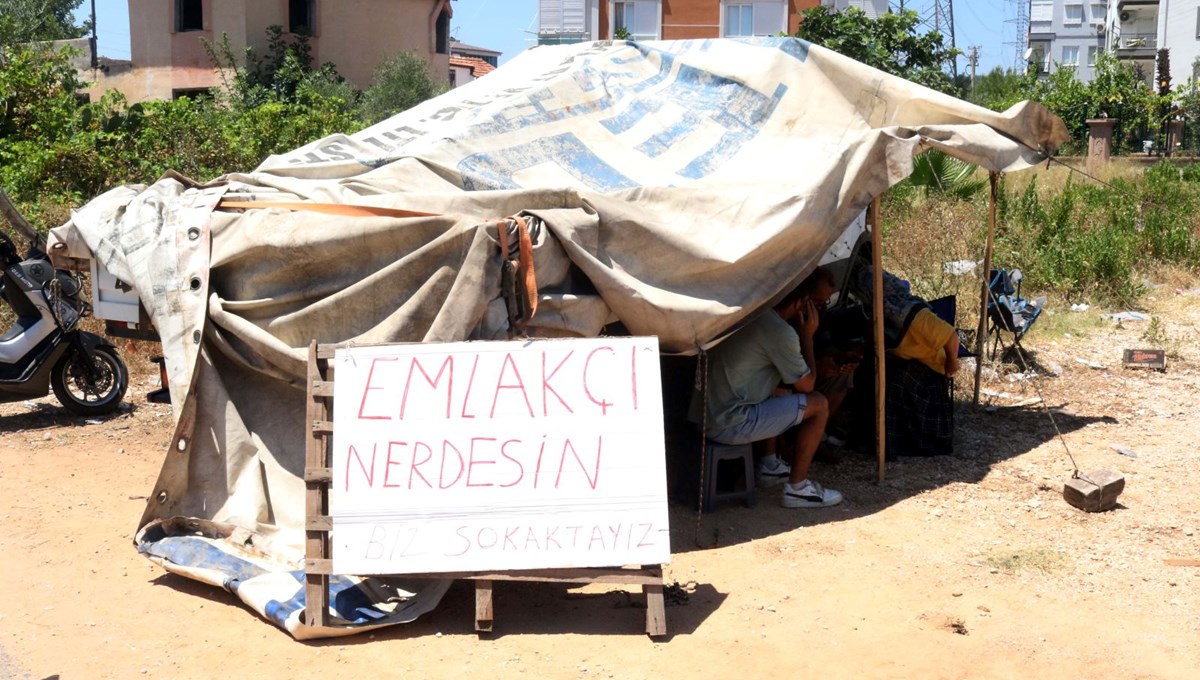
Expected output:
(1072, 235)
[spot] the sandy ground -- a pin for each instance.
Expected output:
(967, 566)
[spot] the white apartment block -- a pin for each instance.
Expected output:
(1137, 29)
(1067, 34)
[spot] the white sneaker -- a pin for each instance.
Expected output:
(832, 440)
(809, 494)
(774, 472)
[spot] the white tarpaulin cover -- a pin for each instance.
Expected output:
(675, 187)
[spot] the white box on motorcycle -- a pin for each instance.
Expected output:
(112, 299)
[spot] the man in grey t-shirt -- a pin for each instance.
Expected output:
(745, 372)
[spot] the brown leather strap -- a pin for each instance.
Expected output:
(502, 236)
(345, 209)
(525, 271)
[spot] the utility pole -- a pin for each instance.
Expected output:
(95, 44)
(973, 60)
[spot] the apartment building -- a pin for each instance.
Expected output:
(469, 62)
(169, 58)
(1067, 34)
(1138, 28)
(571, 21)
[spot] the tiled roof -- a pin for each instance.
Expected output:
(478, 66)
(464, 47)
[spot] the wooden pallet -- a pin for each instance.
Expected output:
(318, 562)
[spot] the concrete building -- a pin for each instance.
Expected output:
(1138, 28)
(571, 21)
(169, 59)
(1067, 34)
(468, 62)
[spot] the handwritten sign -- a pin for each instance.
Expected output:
(498, 455)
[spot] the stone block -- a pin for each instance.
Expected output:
(1094, 491)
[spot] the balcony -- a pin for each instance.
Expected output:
(1136, 45)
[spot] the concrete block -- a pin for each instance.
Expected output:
(1094, 491)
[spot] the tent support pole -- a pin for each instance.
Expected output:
(877, 314)
(993, 178)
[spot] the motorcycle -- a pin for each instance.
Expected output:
(44, 349)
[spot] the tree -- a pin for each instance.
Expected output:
(1000, 88)
(24, 21)
(889, 43)
(401, 82)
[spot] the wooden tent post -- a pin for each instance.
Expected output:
(993, 178)
(877, 313)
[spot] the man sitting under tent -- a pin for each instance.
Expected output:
(743, 407)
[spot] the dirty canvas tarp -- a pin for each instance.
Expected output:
(675, 187)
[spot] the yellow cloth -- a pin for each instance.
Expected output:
(925, 341)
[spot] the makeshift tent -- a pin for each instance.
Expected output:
(674, 187)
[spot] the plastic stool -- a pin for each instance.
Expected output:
(714, 454)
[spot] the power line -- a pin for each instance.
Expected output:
(943, 22)
(1021, 23)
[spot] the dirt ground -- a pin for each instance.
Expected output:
(967, 566)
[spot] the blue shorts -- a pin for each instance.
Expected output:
(767, 419)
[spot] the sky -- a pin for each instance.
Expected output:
(510, 26)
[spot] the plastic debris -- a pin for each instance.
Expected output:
(1080, 307)
(1124, 451)
(960, 267)
(1088, 363)
(1129, 316)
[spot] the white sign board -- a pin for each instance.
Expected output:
(498, 455)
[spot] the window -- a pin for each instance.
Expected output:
(1039, 56)
(638, 18)
(755, 18)
(562, 16)
(193, 93)
(1070, 57)
(442, 39)
(1198, 23)
(739, 20)
(1073, 14)
(1092, 52)
(302, 16)
(189, 15)
(1099, 11)
(1041, 11)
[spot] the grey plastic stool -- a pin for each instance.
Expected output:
(714, 454)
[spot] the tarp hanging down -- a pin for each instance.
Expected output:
(675, 187)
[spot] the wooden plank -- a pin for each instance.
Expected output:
(319, 523)
(656, 610)
(994, 178)
(322, 426)
(317, 565)
(483, 606)
(322, 475)
(599, 575)
(322, 567)
(326, 351)
(322, 388)
(880, 348)
(1182, 562)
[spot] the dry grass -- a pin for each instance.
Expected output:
(920, 240)
(1025, 559)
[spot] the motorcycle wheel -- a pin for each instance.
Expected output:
(84, 396)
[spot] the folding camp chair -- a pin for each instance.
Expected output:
(1008, 311)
